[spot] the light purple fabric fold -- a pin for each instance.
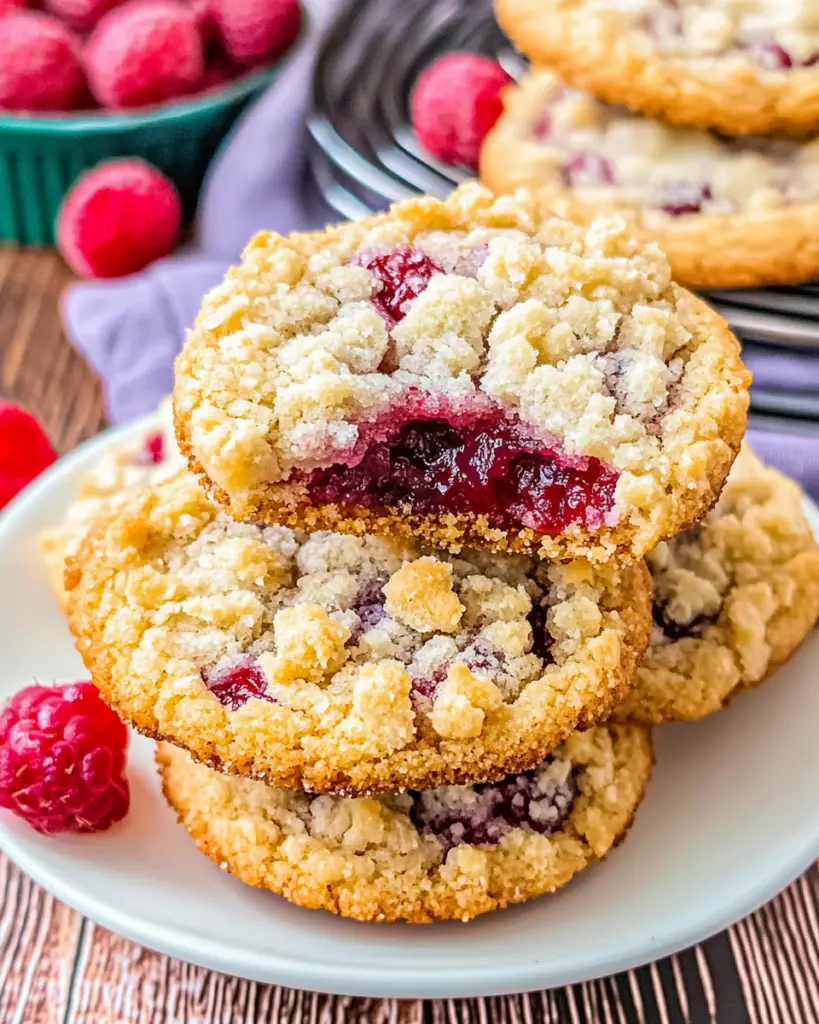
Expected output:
(131, 329)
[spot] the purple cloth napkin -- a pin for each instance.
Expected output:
(130, 330)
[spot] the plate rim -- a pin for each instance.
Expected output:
(376, 982)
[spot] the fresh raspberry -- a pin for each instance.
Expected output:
(81, 15)
(234, 685)
(255, 31)
(118, 217)
(455, 102)
(62, 759)
(152, 452)
(25, 451)
(11, 5)
(40, 67)
(145, 52)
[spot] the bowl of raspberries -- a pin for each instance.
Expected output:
(82, 81)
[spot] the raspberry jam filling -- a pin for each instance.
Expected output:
(152, 452)
(234, 685)
(402, 275)
(674, 630)
(416, 460)
(538, 801)
(369, 606)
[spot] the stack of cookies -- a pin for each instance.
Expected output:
(392, 624)
(694, 119)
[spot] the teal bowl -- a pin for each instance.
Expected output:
(41, 156)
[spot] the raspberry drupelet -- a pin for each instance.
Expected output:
(468, 371)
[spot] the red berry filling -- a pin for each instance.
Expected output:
(234, 685)
(427, 686)
(62, 759)
(531, 800)
(772, 56)
(674, 630)
(480, 464)
(369, 606)
(681, 197)
(402, 274)
(153, 450)
(588, 170)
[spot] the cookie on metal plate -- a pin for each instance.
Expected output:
(743, 67)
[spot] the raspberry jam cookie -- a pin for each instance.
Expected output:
(448, 853)
(727, 212)
(467, 372)
(345, 664)
(119, 473)
(733, 598)
(742, 67)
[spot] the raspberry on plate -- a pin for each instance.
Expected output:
(62, 759)
(144, 52)
(455, 103)
(40, 67)
(468, 371)
(254, 31)
(117, 218)
(25, 451)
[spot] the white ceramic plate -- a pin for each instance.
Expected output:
(730, 817)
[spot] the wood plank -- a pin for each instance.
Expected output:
(38, 367)
(117, 981)
(38, 942)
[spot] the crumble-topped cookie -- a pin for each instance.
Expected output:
(119, 472)
(448, 853)
(345, 664)
(743, 67)
(466, 371)
(733, 598)
(728, 212)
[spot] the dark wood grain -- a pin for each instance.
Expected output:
(57, 968)
(37, 365)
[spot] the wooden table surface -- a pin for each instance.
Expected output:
(58, 968)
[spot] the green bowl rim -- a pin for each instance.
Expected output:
(99, 123)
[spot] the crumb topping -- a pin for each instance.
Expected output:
(295, 363)
(109, 483)
(774, 37)
(450, 852)
(721, 577)
(336, 647)
(733, 598)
